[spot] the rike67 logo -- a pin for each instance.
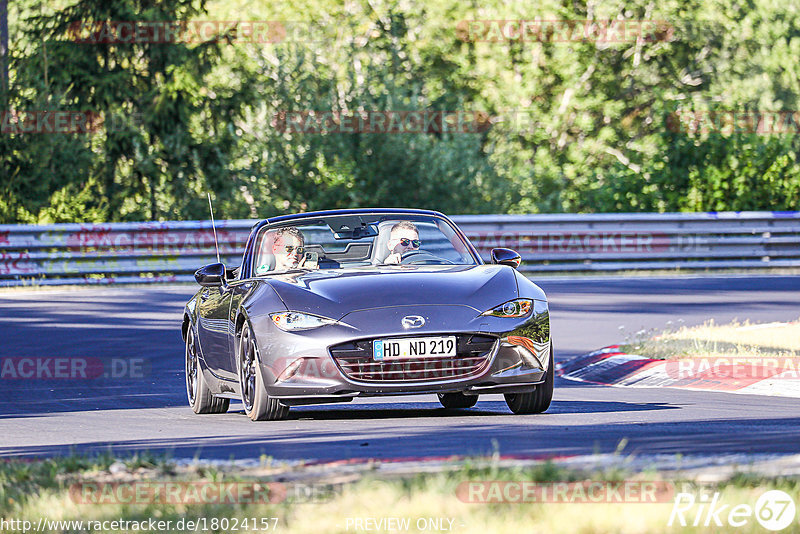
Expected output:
(774, 510)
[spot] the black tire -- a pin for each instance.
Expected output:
(457, 400)
(257, 404)
(197, 391)
(538, 400)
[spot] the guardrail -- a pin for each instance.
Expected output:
(171, 251)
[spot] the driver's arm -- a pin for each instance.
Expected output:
(392, 259)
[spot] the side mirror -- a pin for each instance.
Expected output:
(211, 275)
(506, 256)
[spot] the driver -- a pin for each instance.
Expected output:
(404, 237)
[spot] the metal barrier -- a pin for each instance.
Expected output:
(171, 251)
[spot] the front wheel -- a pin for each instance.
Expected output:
(538, 400)
(257, 404)
(197, 391)
(457, 400)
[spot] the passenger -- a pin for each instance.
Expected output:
(287, 248)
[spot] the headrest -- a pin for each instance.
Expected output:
(265, 263)
(380, 250)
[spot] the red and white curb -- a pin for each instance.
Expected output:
(611, 367)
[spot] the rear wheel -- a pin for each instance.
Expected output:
(197, 391)
(257, 404)
(536, 401)
(457, 400)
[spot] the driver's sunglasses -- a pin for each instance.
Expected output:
(293, 249)
(413, 242)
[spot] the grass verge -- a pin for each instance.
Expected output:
(735, 339)
(476, 496)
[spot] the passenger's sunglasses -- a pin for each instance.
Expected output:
(413, 242)
(293, 249)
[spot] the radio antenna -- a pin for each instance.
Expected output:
(213, 226)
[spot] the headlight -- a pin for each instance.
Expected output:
(292, 321)
(512, 308)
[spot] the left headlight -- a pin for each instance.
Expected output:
(512, 308)
(293, 321)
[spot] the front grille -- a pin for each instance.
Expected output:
(473, 352)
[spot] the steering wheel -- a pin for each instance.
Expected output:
(419, 257)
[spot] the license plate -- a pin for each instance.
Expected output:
(414, 347)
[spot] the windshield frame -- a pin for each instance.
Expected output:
(369, 216)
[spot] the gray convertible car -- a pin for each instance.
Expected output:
(329, 306)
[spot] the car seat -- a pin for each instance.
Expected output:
(379, 249)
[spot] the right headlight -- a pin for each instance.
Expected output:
(294, 321)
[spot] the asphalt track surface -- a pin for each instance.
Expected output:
(41, 417)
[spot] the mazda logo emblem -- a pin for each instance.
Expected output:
(412, 321)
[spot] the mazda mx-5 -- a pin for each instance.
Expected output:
(330, 306)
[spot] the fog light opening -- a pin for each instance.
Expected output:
(291, 370)
(528, 354)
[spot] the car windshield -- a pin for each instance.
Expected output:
(359, 240)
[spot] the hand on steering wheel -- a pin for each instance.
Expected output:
(410, 254)
(413, 257)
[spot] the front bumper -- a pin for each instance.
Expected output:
(302, 368)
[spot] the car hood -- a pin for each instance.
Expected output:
(336, 292)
